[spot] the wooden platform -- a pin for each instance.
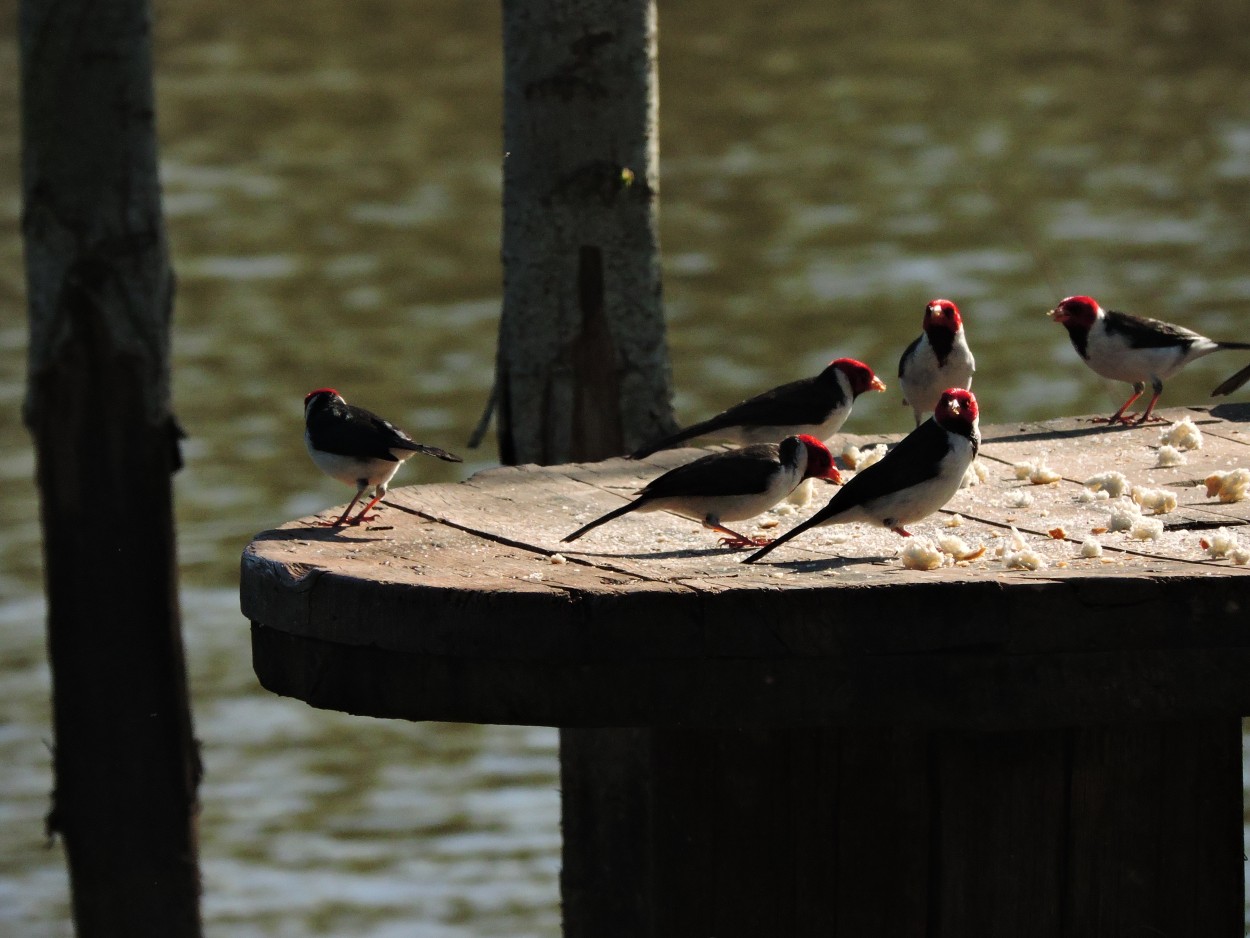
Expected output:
(826, 742)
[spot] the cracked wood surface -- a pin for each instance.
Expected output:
(460, 602)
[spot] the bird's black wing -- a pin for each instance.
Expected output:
(908, 352)
(914, 460)
(806, 401)
(734, 472)
(355, 432)
(1141, 332)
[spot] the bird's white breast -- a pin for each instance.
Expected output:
(917, 501)
(924, 380)
(1111, 356)
(351, 470)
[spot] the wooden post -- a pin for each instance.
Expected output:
(582, 369)
(100, 294)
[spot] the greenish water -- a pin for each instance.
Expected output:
(332, 187)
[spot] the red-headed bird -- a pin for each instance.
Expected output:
(938, 359)
(1133, 349)
(913, 480)
(811, 406)
(731, 486)
(357, 447)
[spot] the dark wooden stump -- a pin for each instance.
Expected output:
(829, 744)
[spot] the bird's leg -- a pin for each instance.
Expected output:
(364, 512)
(1157, 386)
(899, 529)
(346, 511)
(1119, 414)
(734, 539)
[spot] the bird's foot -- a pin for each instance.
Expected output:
(743, 542)
(363, 517)
(1148, 418)
(328, 524)
(901, 530)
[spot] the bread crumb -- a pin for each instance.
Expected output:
(1230, 486)
(558, 559)
(1057, 534)
(871, 455)
(1024, 469)
(1089, 495)
(1239, 555)
(954, 521)
(765, 525)
(1221, 543)
(1024, 560)
(1124, 514)
(1158, 501)
(1113, 483)
(921, 554)
(1170, 456)
(1042, 474)
(975, 474)
(1146, 529)
(1090, 548)
(801, 495)
(1183, 434)
(955, 546)
(850, 455)
(1019, 498)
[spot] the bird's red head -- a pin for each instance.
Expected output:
(956, 407)
(819, 460)
(942, 314)
(311, 394)
(1079, 311)
(859, 375)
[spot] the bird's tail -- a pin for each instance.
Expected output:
(433, 451)
(603, 519)
(797, 529)
(1233, 383)
(681, 436)
(1233, 345)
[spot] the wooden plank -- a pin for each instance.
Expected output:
(1155, 831)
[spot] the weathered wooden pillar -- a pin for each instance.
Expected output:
(582, 369)
(100, 291)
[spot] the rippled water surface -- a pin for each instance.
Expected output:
(332, 177)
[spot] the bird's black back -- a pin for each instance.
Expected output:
(733, 472)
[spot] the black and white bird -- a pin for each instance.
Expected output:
(812, 406)
(913, 480)
(1133, 349)
(731, 486)
(357, 447)
(938, 359)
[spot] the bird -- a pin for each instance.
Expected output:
(731, 486)
(1232, 384)
(816, 406)
(1124, 347)
(357, 447)
(938, 359)
(912, 481)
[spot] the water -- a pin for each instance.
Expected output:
(332, 187)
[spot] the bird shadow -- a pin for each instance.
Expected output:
(688, 554)
(823, 564)
(317, 532)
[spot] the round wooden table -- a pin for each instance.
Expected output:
(825, 743)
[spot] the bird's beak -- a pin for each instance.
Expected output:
(876, 384)
(833, 477)
(953, 407)
(1057, 315)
